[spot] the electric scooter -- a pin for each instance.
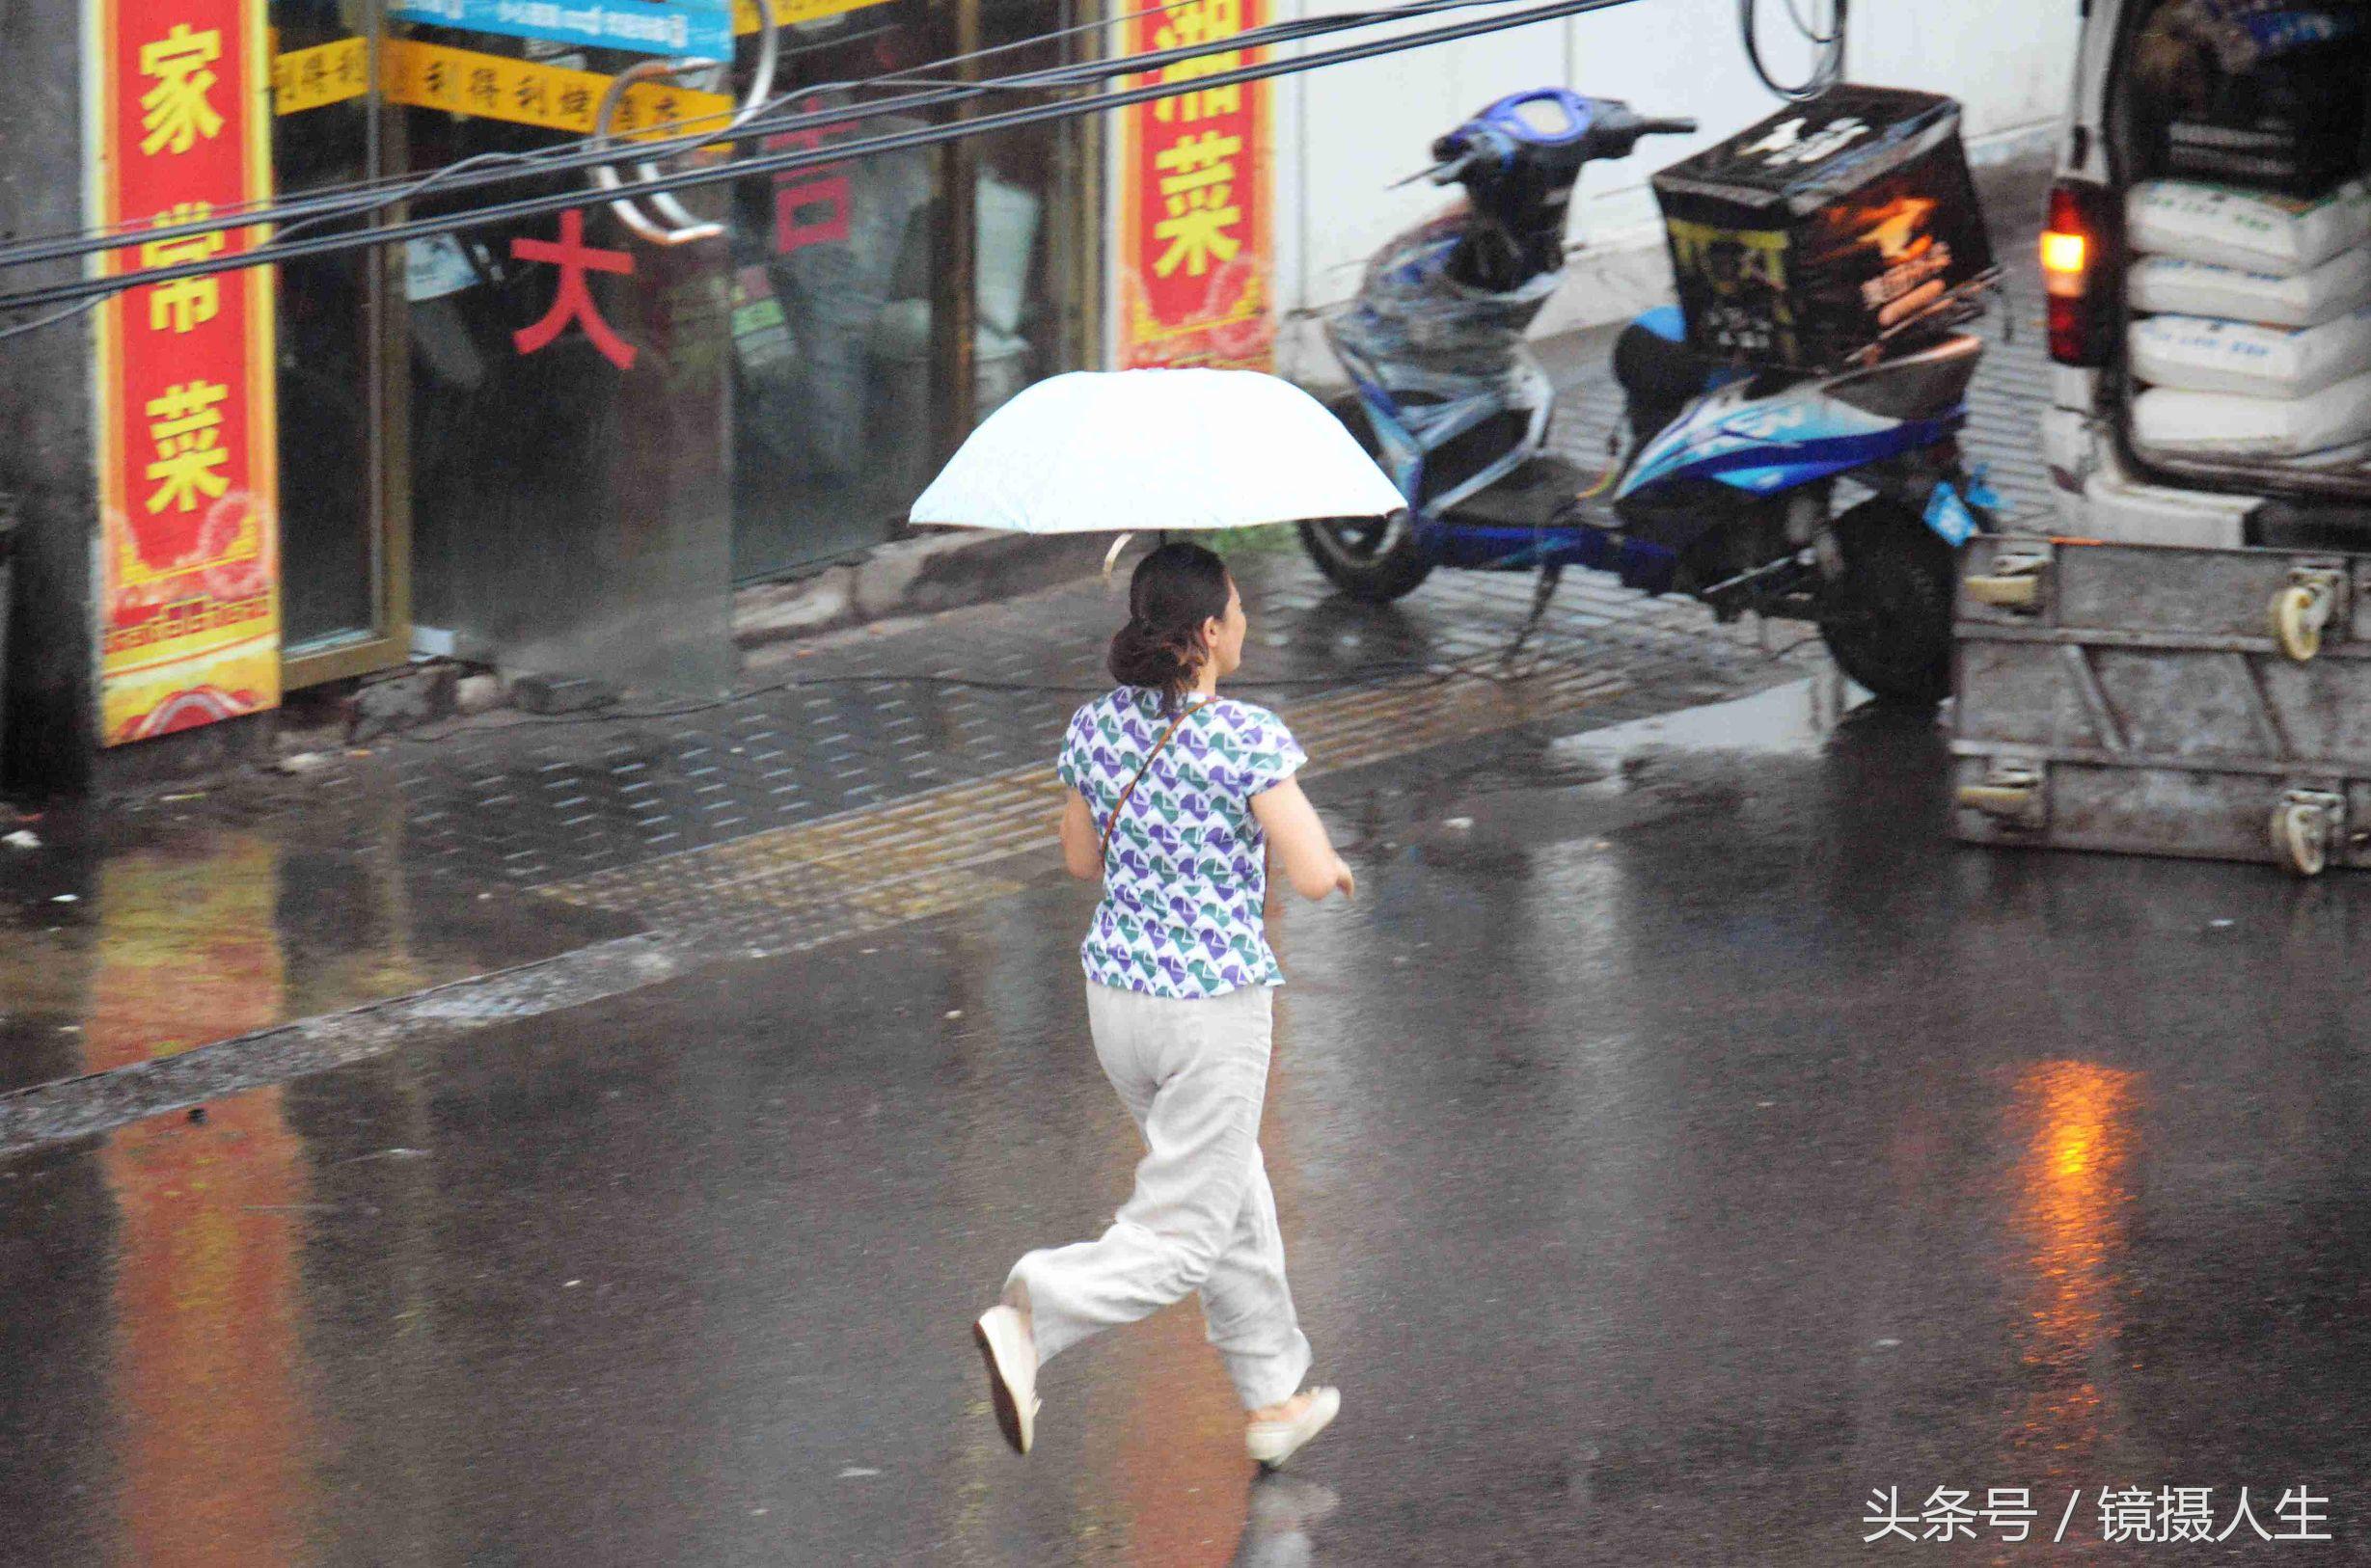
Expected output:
(1731, 486)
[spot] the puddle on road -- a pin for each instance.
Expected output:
(1796, 718)
(1689, 763)
(114, 955)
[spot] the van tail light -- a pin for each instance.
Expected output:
(2079, 250)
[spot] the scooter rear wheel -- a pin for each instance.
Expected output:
(1371, 558)
(1891, 626)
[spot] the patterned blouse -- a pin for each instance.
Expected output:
(1185, 874)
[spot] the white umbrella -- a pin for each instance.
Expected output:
(1144, 449)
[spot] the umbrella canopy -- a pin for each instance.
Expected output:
(1143, 450)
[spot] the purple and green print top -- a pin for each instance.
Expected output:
(1185, 874)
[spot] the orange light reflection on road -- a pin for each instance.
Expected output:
(2071, 1193)
(210, 1368)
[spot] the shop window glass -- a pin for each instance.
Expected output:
(327, 460)
(844, 388)
(834, 412)
(567, 448)
(1031, 295)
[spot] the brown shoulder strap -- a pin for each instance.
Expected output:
(1112, 823)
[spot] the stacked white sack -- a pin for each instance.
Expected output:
(2196, 354)
(2255, 229)
(2265, 347)
(2170, 283)
(2223, 424)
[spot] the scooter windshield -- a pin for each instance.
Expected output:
(1414, 322)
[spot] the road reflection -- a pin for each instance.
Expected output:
(209, 1370)
(2076, 1120)
(1277, 1520)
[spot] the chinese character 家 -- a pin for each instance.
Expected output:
(175, 114)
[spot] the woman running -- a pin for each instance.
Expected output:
(1179, 799)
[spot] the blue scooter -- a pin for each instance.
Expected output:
(1729, 491)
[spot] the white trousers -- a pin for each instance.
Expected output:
(1202, 1218)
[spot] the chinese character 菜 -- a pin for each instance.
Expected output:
(175, 113)
(182, 302)
(1196, 188)
(185, 422)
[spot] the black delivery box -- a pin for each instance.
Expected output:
(1804, 242)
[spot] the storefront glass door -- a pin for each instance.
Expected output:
(343, 583)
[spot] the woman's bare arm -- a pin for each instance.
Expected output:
(1083, 848)
(1297, 842)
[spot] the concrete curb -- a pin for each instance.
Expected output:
(911, 577)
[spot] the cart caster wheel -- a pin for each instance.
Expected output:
(2299, 611)
(2014, 583)
(2005, 592)
(2004, 801)
(2010, 795)
(2300, 836)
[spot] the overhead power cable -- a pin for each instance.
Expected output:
(490, 170)
(793, 160)
(387, 190)
(84, 306)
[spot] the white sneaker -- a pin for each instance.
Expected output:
(1273, 1442)
(1011, 1355)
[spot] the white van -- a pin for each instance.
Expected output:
(2208, 265)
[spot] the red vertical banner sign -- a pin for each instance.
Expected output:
(1195, 251)
(180, 128)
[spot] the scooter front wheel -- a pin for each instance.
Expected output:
(1371, 558)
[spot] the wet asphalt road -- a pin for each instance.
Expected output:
(1675, 1143)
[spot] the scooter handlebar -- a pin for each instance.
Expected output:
(1440, 174)
(1614, 133)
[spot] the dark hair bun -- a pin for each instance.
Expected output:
(1176, 591)
(1141, 656)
